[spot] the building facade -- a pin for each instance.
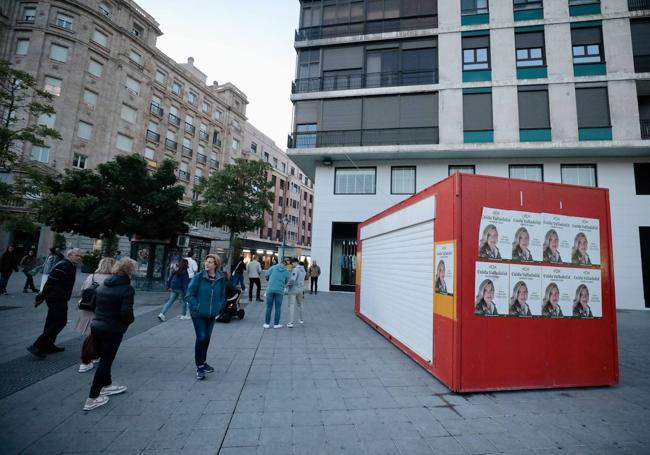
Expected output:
(392, 96)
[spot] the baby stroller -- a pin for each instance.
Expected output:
(231, 307)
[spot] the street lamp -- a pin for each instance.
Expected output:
(285, 221)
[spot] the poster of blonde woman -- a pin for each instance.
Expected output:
(587, 293)
(495, 234)
(444, 260)
(557, 292)
(586, 241)
(558, 238)
(525, 290)
(491, 289)
(527, 236)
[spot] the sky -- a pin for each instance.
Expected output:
(246, 42)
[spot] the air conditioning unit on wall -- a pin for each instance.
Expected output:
(183, 241)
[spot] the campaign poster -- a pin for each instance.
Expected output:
(495, 234)
(557, 238)
(491, 289)
(444, 259)
(587, 293)
(525, 290)
(585, 246)
(557, 292)
(527, 236)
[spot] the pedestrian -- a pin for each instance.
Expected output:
(8, 265)
(314, 273)
(206, 294)
(192, 266)
(49, 264)
(277, 276)
(238, 274)
(113, 315)
(254, 271)
(56, 293)
(89, 354)
(295, 290)
(177, 286)
(28, 264)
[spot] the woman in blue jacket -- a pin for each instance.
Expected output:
(277, 276)
(177, 285)
(206, 295)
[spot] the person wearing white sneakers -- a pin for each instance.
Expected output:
(177, 284)
(295, 289)
(277, 276)
(113, 315)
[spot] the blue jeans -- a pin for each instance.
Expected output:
(203, 329)
(273, 299)
(238, 278)
(173, 295)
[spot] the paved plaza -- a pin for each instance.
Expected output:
(330, 386)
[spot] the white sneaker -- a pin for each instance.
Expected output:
(266, 326)
(92, 403)
(277, 326)
(96, 360)
(290, 325)
(112, 389)
(86, 367)
(301, 322)
(186, 317)
(161, 317)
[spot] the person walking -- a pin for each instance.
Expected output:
(49, 264)
(8, 265)
(238, 274)
(206, 294)
(113, 315)
(177, 286)
(192, 266)
(295, 290)
(314, 273)
(28, 263)
(254, 271)
(89, 354)
(277, 276)
(56, 293)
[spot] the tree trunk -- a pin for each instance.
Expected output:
(231, 249)
(109, 245)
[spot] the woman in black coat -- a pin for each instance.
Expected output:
(113, 315)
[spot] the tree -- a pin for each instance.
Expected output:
(20, 98)
(236, 196)
(120, 197)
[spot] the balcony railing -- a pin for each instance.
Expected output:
(645, 129)
(642, 62)
(186, 151)
(152, 136)
(360, 80)
(156, 110)
(171, 145)
(636, 5)
(184, 176)
(174, 119)
(363, 28)
(189, 128)
(204, 135)
(348, 138)
(214, 164)
(201, 158)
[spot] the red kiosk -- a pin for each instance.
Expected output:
(492, 283)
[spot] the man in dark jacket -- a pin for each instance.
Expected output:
(8, 265)
(238, 273)
(56, 293)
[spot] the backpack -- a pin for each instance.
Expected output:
(89, 297)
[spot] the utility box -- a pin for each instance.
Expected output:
(493, 284)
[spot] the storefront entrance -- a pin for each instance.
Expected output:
(151, 258)
(343, 257)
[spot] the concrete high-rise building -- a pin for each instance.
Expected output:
(391, 96)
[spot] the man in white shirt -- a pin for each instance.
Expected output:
(254, 272)
(192, 266)
(295, 289)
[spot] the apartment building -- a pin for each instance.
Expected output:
(116, 93)
(293, 199)
(391, 96)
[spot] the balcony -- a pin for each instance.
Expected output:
(200, 158)
(366, 27)
(189, 128)
(636, 5)
(369, 80)
(152, 136)
(645, 129)
(171, 145)
(367, 137)
(186, 151)
(184, 176)
(204, 135)
(156, 110)
(174, 119)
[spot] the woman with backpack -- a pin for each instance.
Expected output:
(177, 285)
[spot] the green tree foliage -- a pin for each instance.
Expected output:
(236, 197)
(120, 197)
(20, 100)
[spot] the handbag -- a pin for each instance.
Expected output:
(89, 296)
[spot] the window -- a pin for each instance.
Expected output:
(79, 161)
(642, 178)
(640, 29)
(477, 111)
(306, 135)
(40, 153)
(47, 120)
(137, 30)
(354, 181)
(529, 49)
(205, 107)
(587, 45)
(28, 15)
(22, 46)
(177, 88)
(526, 172)
(236, 124)
(579, 174)
(100, 38)
(217, 115)
(64, 21)
(533, 107)
(105, 9)
(462, 169)
(95, 68)
(382, 68)
(85, 131)
(519, 5)
(52, 85)
(275, 162)
(135, 57)
(124, 143)
(254, 147)
(593, 106)
(469, 7)
(90, 98)
(402, 180)
(128, 113)
(308, 69)
(160, 77)
(132, 85)
(192, 98)
(149, 153)
(235, 144)
(476, 53)
(59, 53)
